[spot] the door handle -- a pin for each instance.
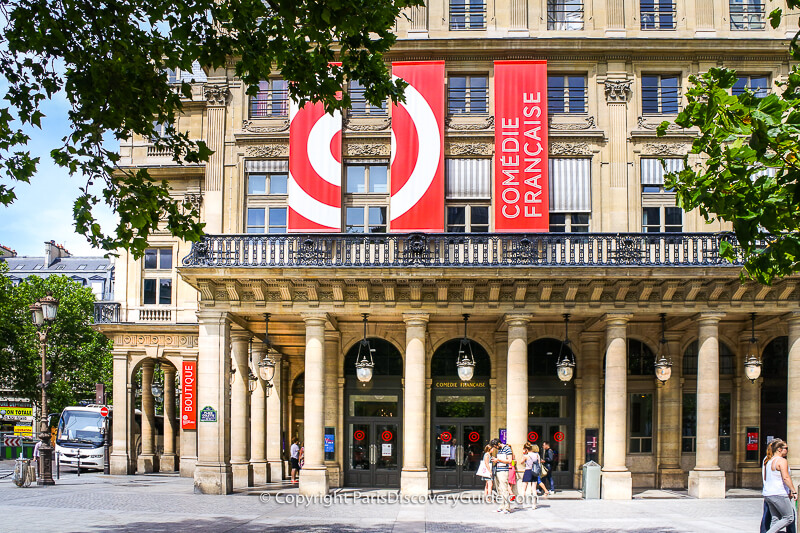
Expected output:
(372, 454)
(460, 455)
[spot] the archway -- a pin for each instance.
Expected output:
(373, 418)
(551, 407)
(298, 392)
(460, 417)
(775, 372)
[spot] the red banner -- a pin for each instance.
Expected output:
(521, 198)
(417, 202)
(315, 169)
(188, 395)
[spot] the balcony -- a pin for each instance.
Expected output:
(106, 312)
(459, 250)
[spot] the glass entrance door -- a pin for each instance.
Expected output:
(374, 451)
(558, 436)
(457, 452)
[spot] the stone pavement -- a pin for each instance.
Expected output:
(166, 503)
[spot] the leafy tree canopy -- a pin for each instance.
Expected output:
(78, 356)
(111, 59)
(749, 148)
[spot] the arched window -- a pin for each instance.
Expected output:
(299, 385)
(387, 358)
(443, 363)
(543, 357)
(726, 359)
(641, 359)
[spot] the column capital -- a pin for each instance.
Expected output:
(518, 319)
(169, 369)
(259, 348)
(793, 317)
(710, 317)
(416, 319)
(314, 319)
(617, 319)
(213, 315)
(148, 362)
(241, 336)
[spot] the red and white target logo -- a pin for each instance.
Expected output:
(446, 436)
(315, 169)
(558, 437)
(387, 435)
(418, 148)
(474, 436)
(533, 436)
(359, 435)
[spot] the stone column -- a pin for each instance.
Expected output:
(793, 398)
(618, 92)
(217, 96)
(670, 474)
(591, 393)
(707, 480)
(748, 409)
(122, 460)
(414, 476)
(169, 461)
(213, 475)
(616, 478)
(240, 410)
(274, 426)
(517, 382)
(314, 475)
(188, 455)
(332, 401)
(147, 460)
(258, 422)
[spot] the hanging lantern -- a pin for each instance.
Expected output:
(664, 362)
(466, 360)
(566, 361)
(364, 362)
(157, 389)
(252, 382)
(266, 367)
(752, 363)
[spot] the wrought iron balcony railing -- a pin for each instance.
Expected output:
(459, 250)
(106, 312)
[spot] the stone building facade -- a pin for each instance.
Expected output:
(615, 256)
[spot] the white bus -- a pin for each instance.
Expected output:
(80, 433)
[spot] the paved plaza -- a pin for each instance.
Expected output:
(166, 503)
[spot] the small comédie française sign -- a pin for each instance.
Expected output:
(208, 414)
(458, 384)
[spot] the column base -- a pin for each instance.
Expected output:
(334, 475)
(213, 479)
(313, 481)
(414, 482)
(276, 470)
(188, 466)
(616, 486)
(242, 475)
(671, 477)
(146, 464)
(168, 462)
(120, 465)
(705, 484)
(260, 472)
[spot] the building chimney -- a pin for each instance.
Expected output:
(5, 252)
(53, 251)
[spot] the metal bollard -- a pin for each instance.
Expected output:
(58, 465)
(79, 462)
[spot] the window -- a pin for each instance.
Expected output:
(641, 360)
(570, 194)
(158, 259)
(359, 106)
(271, 100)
(725, 422)
(372, 178)
(566, 94)
(690, 358)
(657, 14)
(365, 219)
(757, 84)
(467, 95)
(160, 131)
(157, 291)
(659, 213)
(641, 423)
(564, 14)
(662, 220)
(748, 14)
(660, 94)
(569, 223)
(653, 173)
(689, 422)
(266, 220)
(467, 14)
(468, 218)
(269, 183)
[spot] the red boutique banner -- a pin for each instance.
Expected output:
(315, 169)
(417, 202)
(521, 198)
(188, 395)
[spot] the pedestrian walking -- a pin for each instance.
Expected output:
(294, 458)
(779, 490)
(505, 456)
(549, 463)
(530, 478)
(539, 483)
(485, 471)
(36, 457)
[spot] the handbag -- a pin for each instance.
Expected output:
(483, 471)
(537, 468)
(512, 473)
(544, 472)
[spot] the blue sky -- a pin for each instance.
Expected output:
(43, 208)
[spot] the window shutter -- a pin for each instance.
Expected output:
(653, 172)
(571, 185)
(267, 165)
(468, 178)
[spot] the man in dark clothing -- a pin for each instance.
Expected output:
(549, 460)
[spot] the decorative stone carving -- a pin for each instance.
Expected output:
(618, 90)
(667, 149)
(217, 95)
(587, 124)
(570, 149)
(485, 124)
(367, 126)
(194, 199)
(646, 125)
(362, 149)
(268, 150)
(249, 126)
(173, 341)
(471, 148)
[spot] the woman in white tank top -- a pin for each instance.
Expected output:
(778, 487)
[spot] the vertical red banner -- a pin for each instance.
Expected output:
(417, 201)
(188, 395)
(521, 197)
(315, 169)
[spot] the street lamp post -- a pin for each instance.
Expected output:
(43, 314)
